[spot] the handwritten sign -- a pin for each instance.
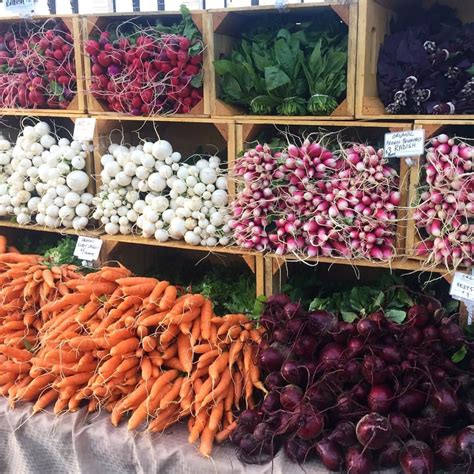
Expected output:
(88, 248)
(462, 287)
(84, 129)
(404, 144)
(22, 7)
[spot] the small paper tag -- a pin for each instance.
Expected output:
(84, 129)
(403, 144)
(22, 7)
(462, 287)
(87, 248)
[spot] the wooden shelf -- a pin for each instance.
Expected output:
(176, 118)
(61, 231)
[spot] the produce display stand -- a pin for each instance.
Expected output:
(78, 104)
(374, 22)
(93, 24)
(227, 25)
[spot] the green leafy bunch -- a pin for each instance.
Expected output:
(291, 70)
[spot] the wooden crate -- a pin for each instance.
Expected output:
(227, 26)
(247, 131)
(78, 104)
(93, 24)
(432, 128)
(374, 24)
(143, 255)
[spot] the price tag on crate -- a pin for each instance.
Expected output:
(87, 248)
(21, 7)
(404, 144)
(84, 129)
(462, 289)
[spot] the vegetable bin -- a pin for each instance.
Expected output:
(46, 79)
(149, 44)
(333, 134)
(419, 91)
(281, 77)
(445, 192)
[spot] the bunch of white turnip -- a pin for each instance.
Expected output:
(43, 179)
(148, 190)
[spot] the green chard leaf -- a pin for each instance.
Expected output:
(396, 315)
(275, 77)
(348, 316)
(459, 355)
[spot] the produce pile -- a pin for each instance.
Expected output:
(149, 188)
(147, 69)
(130, 345)
(366, 394)
(298, 69)
(37, 68)
(425, 64)
(445, 211)
(42, 179)
(310, 201)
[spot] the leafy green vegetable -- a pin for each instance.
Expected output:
(280, 69)
(228, 293)
(62, 253)
(459, 355)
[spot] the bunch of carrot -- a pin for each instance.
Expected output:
(132, 345)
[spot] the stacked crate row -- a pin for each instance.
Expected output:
(213, 120)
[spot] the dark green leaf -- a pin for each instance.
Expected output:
(275, 77)
(378, 302)
(396, 315)
(354, 299)
(232, 88)
(56, 88)
(459, 355)
(28, 345)
(452, 306)
(285, 57)
(196, 81)
(348, 316)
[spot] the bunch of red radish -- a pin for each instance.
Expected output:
(363, 396)
(445, 213)
(311, 201)
(146, 73)
(37, 66)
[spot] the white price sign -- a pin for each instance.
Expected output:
(87, 248)
(22, 7)
(462, 287)
(404, 144)
(84, 129)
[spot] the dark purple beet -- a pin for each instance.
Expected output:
(344, 434)
(330, 455)
(290, 397)
(322, 322)
(445, 401)
(447, 451)
(290, 371)
(389, 454)
(297, 450)
(380, 399)
(378, 318)
(250, 418)
(450, 333)
(331, 355)
(319, 396)
(280, 300)
(465, 441)
(271, 402)
(418, 315)
(411, 402)
(311, 425)
(274, 380)
(351, 371)
(400, 424)
(344, 404)
(292, 310)
(360, 391)
(270, 359)
(358, 461)
(280, 335)
(344, 332)
(391, 354)
(355, 345)
(373, 431)
(417, 457)
(374, 370)
(366, 327)
(294, 326)
(412, 337)
(430, 333)
(305, 345)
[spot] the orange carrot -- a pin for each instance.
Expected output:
(158, 291)
(18, 354)
(168, 334)
(207, 358)
(169, 397)
(77, 379)
(135, 281)
(235, 348)
(125, 346)
(174, 363)
(149, 343)
(45, 399)
(3, 244)
(218, 366)
(201, 420)
(219, 390)
(216, 416)
(202, 348)
(146, 368)
(169, 297)
(184, 352)
(48, 278)
(141, 290)
(226, 432)
(207, 441)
